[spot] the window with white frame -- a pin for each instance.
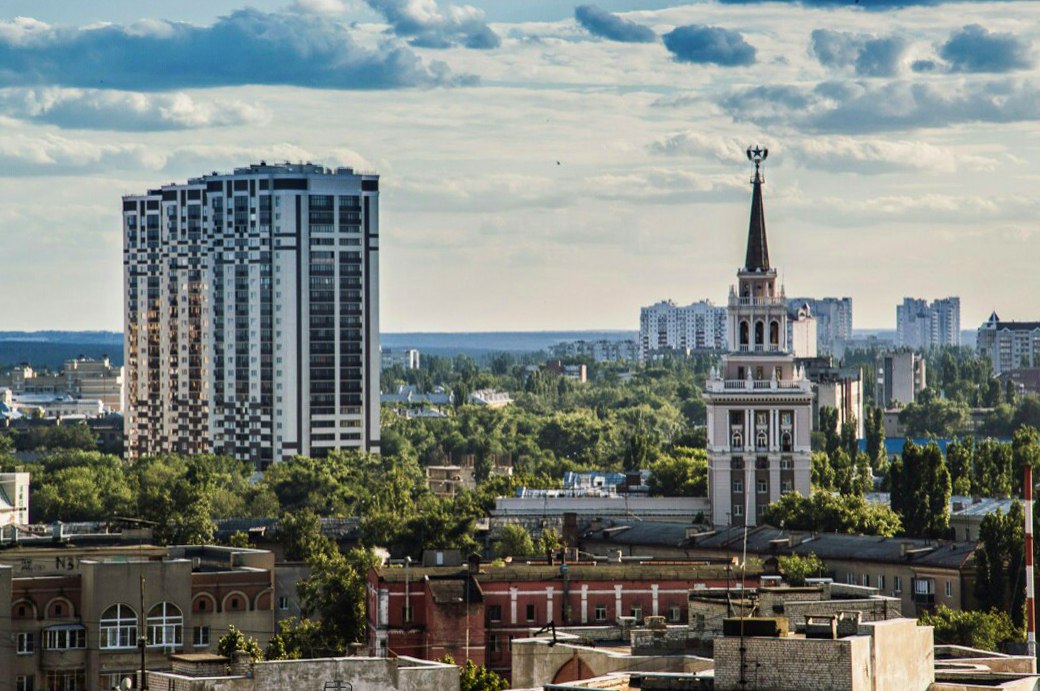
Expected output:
(738, 486)
(881, 581)
(65, 638)
(165, 625)
(949, 589)
(601, 612)
(897, 583)
(675, 613)
(118, 627)
(25, 682)
(738, 510)
(200, 636)
(25, 643)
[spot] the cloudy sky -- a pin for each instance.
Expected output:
(545, 165)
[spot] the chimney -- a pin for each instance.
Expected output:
(570, 529)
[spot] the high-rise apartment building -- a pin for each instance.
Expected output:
(252, 314)
(921, 326)
(900, 377)
(833, 321)
(666, 326)
(759, 403)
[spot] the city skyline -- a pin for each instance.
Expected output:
(530, 158)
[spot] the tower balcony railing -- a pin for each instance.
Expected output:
(771, 348)
(736, 301)
(735, 385)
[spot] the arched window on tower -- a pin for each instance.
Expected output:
(774, 335)
(785, 442)
(760, 338)
(744, 331)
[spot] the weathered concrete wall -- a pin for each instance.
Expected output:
(536, 663)
(364, 674)
(794, 664)
(901, 654)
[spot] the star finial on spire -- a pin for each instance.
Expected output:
(757, 155)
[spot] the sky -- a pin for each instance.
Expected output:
(545, 165)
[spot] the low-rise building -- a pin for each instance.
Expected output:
(921, 573)
(409, 395)
(474, 611)
(490, 398)
(81, 378)
(407, 358)
(602, 350)
(538, 508)
(76, 611)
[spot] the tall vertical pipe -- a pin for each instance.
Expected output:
(1030, 607)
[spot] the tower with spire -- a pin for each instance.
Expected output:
(759, 402)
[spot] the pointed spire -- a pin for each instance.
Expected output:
(757, 258)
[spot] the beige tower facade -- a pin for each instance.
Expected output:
(759, 402)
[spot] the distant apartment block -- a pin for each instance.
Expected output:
(407, 358)
(920, 325)
(840, 388)
(900, 377)
(833, 321)
(82, 379)
(666, 326)
(1009, 345)
(802, 331)
(602, 350)
(252, 314)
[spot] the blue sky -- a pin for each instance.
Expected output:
(903, 135)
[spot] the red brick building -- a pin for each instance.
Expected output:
(472, 612)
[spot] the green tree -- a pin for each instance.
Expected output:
(827, 512)
(934, 416)
(821, 471)
(298, 639)
(959, 459)
(682, 472)
(991, 630)
(334, 594)
(796, 568)
(473, 677)
(549, 542)
(234, 640)
(301, 536)
(921, 490)
(513, 541)
(874, 431)
(1025, 450)
(1000, 563)
(239, 539)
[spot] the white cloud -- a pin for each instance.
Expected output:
(126, 111)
